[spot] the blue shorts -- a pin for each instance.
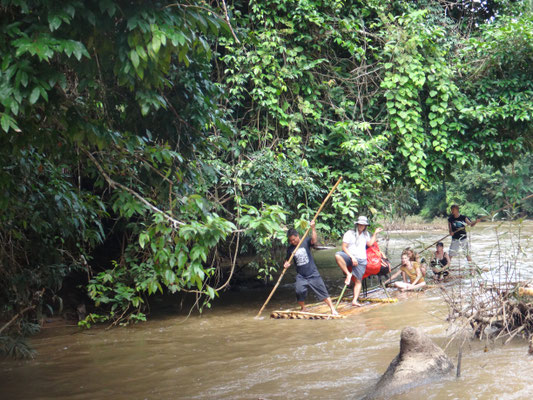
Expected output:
(315, 283)
(359, 270)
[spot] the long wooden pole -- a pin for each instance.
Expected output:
(431, 245)
(463, 228)
(298, 246)
(480, 219)
(340, 297)
(384, 288)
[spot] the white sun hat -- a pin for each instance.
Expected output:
(362, 221)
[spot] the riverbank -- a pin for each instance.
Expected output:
(413, 223)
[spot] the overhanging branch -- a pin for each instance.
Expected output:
(114, 184)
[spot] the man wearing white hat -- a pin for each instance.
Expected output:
(353, 254)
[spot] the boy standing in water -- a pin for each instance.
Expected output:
(457, 228)
(307, 275)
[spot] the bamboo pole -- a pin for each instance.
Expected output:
(377, 300)
(298, 246)
(384, 288)
(431, 245)
(336, 298)
(340, 297)
(304, 315)
(464, 227)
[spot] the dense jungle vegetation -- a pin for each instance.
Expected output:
(145, 146)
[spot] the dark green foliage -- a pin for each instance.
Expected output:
(93, 148)
(482, 189)
(15, 347)
(498, 102)
(47, 226)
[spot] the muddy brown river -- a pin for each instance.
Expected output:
(227, 354)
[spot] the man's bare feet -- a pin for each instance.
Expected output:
(334, 312)
(356, 304)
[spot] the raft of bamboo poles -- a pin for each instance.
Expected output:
(322, 311)
(291, 314)
(372, 300)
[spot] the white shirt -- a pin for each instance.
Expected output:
(356, 243)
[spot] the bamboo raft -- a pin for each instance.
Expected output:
(321, 310)
(373, 300)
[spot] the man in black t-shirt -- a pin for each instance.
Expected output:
(307, 275)
(457, 227)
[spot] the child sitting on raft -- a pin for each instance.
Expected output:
(440, 263)
(409, 269)
(415, 257)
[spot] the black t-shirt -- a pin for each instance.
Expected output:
(458, 223)
(305, 264)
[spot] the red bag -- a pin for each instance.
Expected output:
(373, 260)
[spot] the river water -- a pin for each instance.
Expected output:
(227, 354)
